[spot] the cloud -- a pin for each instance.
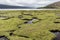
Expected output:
(29, 3)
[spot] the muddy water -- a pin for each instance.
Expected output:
(3, 38)
(57, 33)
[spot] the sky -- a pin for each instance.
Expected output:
(28, 3)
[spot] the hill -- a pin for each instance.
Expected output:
(2, 6)
(54, 5)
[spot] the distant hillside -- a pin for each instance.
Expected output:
(2, 6)
(53, 5)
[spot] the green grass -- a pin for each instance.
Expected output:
(39, 29)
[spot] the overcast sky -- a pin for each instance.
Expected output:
(29, 3)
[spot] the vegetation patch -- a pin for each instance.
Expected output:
(30, 25)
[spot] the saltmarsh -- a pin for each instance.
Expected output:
(29, 25)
